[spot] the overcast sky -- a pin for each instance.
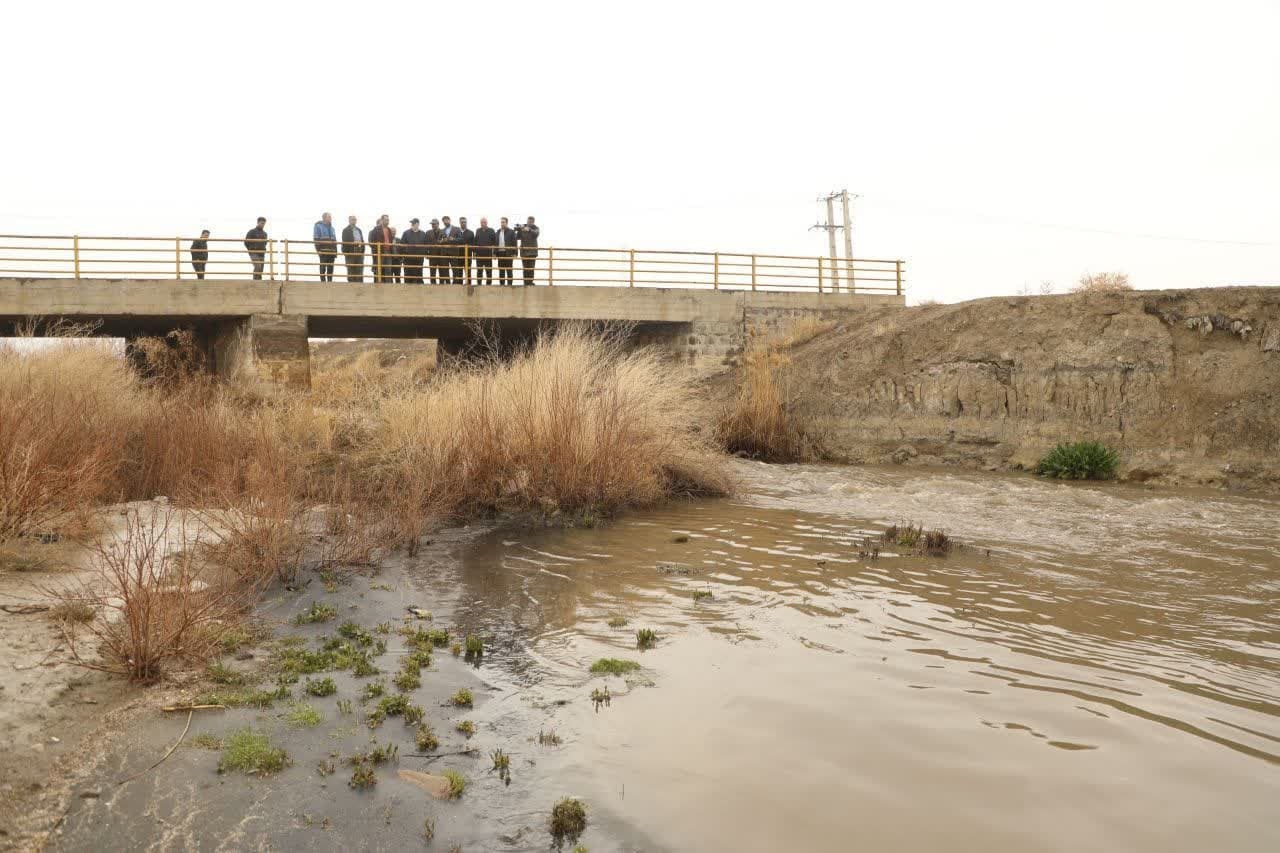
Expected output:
(994, 145)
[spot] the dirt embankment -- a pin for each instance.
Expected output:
(1186, 384)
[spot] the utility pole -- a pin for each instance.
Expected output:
(831, 227)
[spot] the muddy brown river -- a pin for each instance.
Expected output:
(1097, 669)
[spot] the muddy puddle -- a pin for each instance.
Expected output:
(1099, 668)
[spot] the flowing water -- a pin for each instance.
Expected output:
(1099, 667)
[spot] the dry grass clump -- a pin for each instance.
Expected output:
(574, 424)
(63, 410)
(761, 422)
(1103, 282)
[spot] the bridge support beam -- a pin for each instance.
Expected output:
(266, 348)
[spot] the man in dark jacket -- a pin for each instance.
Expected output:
(451, 251)
(528, 248)
(200, 253)
(353, 250)
(413, 243)
(382, 238)
(505, 251)
(466, 247)
(435, 254)
(255, 242)
(486, 239)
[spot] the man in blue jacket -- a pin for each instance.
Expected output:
(326, 241)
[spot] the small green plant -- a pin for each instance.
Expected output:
(617, 622)
(373, 690)
(425, 738)
(318, 612)
(502, 763)
(418, 658)
(243, 698)
(407, 680)
(429, 829)
(457, 784)
(376, 755)
(220, 673)
(344, 706)
(72, 611)
(914, 538)
(413, 714)
(353, 632)
(251, 752)
(362, 667)
(455, 649)
(382, 628)
(646, 638)
(475, 645)
(613, 666)
(601, 696)
(243, 637)
(466, 728)
(303, 716)
(462, 698)
(1081, 460)
(700, 594)
(204, 740)
(549, 738)
(568, 820)
(363, 777)
(322, 687)
(325, 767)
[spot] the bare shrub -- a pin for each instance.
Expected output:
(170, 360)
(761, 421)
(152, 605)
(1103, 282)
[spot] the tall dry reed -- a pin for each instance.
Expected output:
(761, 421)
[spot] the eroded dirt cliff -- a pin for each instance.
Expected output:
(1185, 383)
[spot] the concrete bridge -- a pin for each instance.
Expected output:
(259, 330)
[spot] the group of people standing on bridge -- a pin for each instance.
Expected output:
(450, 254)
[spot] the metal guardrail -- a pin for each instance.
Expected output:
(43, 256)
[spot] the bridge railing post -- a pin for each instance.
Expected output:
(75, 253)
(715, 272)
(631, 280)
(897, 266)
(551, 266)
(271, 247)
(753, 272)
(177, 257)
(819, 273)
(286, 260)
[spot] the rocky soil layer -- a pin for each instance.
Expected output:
(1185, 383)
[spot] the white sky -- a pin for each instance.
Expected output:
(995, 145)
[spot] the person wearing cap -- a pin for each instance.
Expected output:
(255, 242)
(466, 249)
(353, 250)
(435, 254)
(326, 243)
(528, 248)
(413, 245)
(486, 239)
(506, 252)
(200, 253)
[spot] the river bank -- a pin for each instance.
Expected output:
(1184, 383)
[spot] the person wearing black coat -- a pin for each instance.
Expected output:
(466, 248)
(435, 254)
(505, 251)
(255, 242)
(386, 263)
(200, 253)
(486, 240)
(353, 250)
(528, 248)
(413, 244)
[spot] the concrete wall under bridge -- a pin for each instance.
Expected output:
(258, 330)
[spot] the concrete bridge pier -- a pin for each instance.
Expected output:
(267, 348)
